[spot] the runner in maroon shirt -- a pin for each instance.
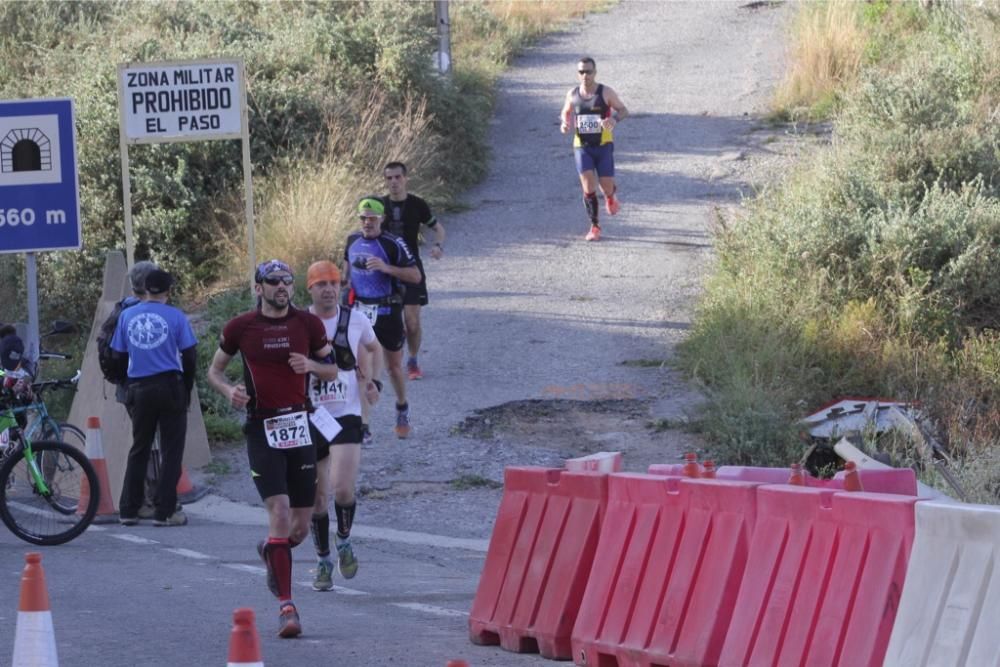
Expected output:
(280, 345)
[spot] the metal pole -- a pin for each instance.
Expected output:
(31, 349)
(247, 176)
(444, 36)
(126, 181)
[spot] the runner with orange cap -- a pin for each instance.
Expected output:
(338, 459)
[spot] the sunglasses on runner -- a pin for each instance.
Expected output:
(584, 71)
(278, 280)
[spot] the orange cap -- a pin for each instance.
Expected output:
(322, 270)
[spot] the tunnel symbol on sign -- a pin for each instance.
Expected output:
(25, 149)
(30, 150)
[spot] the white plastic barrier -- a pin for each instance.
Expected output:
(599, 462)
(949, 612)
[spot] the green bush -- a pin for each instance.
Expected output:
(306, 63)
(875, 268)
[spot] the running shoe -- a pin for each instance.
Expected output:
(148, 512)
(288, 622)
(366, 435)
(324, 576)
(348, 563)
(272, 578)
(594, 234)
(402, 427)
(128, 520)
(178, 518)
(612, 204)
(413, 370)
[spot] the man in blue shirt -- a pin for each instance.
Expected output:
(160, 348)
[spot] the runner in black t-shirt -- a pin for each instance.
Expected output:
(404, 214)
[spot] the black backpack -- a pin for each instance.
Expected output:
(341, 346)
(108, 368)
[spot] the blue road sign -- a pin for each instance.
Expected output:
(39, 192)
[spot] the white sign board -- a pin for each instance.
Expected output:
(181, 101)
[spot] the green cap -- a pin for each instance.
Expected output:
(371, 205)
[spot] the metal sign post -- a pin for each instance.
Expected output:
(443, 56)
(194, 100)
(39, 189)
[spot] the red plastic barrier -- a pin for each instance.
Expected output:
(900, 481)
(539, 558)
(827, 574)
(667, 571)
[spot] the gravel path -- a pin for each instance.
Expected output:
(539, 346)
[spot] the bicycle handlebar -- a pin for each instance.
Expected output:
(44, 354)
(39, 387)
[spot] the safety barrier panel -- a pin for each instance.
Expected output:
(597, 462)
(667, 572)
(539, 559)
(827, 573)
(901, 481)
(950, 610)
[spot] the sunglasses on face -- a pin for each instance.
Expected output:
(279, 280)
(366, 218)
(584, 71)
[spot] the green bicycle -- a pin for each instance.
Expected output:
(49, 492)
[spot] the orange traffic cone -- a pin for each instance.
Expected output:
(244, 642)
(796, 477)
(187, 492)
(691, 467)
(34, 639)
(852, 480)
(95, 452)
(708, 469)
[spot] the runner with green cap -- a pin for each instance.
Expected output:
(376, 264)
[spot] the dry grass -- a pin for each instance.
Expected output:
(542, 13)
(308, 211)
(827, 51)
(519, 22)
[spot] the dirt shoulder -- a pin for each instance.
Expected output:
(539, 346)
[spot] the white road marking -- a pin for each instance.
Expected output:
(253, 569)
(187, 553)
(430, 609)
(215, 508)
(220, 509)
(337, 589)
(128, 537)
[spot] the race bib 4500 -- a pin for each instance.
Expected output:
(589, 123)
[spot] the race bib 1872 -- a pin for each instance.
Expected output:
(288, 431)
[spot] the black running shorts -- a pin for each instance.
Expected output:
(276, 472)
(350, 434)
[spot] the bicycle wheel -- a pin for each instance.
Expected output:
(49, 462)
(29, 513)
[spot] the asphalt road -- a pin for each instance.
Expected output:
(522, 309)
